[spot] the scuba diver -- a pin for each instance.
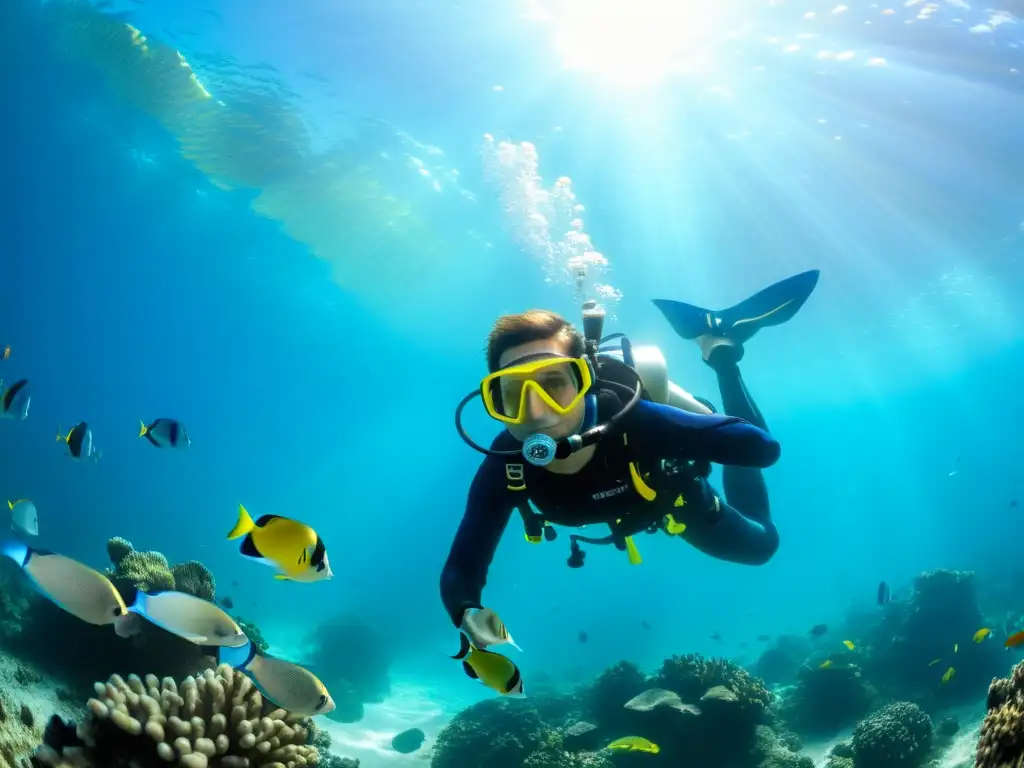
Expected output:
(596, 433)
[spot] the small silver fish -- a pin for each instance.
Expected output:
(189, 617)
(78, 589)
(15, 400)
(24, 517)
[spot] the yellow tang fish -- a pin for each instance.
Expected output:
(947, 677)
(492, 669)
(849, 644)
(292, 547)
(634, 744)
(982, 634)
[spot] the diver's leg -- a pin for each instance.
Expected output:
(726, 534)
(744, 487)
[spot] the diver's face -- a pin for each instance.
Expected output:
(539, 417)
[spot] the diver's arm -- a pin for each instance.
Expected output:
(488, 509)
(673, 433)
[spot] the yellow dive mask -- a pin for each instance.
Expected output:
(560, 382)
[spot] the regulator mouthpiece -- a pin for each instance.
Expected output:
(539, 450)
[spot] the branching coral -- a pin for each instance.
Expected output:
(1001, 744)
(897, 736)
(214, 719)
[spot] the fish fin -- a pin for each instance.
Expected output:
(264, 519)
(470, 672)
(282, 577)
(143, 429)
(464, 647)
(10, 505)
(243, 526)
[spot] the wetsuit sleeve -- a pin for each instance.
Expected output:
(667, 432)
(488, 509)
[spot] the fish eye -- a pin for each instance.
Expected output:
(322, 702)
(117, 610)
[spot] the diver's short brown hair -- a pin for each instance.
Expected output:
(536, 324)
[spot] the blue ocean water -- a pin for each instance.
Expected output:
(315, 344)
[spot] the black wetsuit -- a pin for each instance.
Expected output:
(740, 531)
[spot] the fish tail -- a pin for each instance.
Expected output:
(464, 647)
(10, 505)
(15, 549)
(142, 428)
(244, 524)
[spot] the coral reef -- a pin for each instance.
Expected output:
(150, 571)
(570, 731)
(194, 578)
(16, 598)
(1001, 744)
(826, 700)
(253, 633)
(217, 718)
(347, 650)
(897, 736)
(936, 623)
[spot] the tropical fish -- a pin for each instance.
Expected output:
(15, 400)
(884, 595)
(933, 662)
(497, 672)
(24, 517)
(187, 616)
(716, 636)
(284, 684)
(825, 664)
(78, 442)
(1014, 640)
(818, 630)
(849, 644)
(408, 741)
(293, 548)
(488, 629)
(7, 352)
(947, 676)
(76, 588)
(982, 634)
(634, 744)
(165, 433)
(956, 647)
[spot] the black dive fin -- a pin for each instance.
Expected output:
(772, 306)
(463, 647)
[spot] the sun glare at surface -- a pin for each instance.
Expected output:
(637, 42)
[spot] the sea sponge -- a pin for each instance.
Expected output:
(214, 719)
(194, 578)
(896, 736)
(1001, 744)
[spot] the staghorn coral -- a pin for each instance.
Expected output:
(194, 578)
(213, 720)
(1001, 744)
(896, 736)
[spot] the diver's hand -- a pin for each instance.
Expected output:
(484, 627)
